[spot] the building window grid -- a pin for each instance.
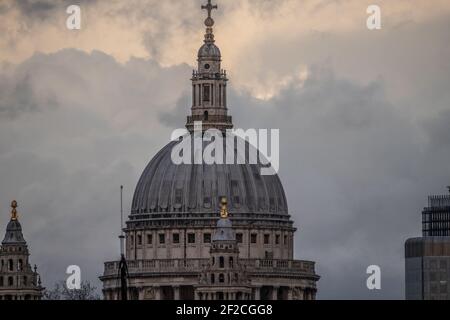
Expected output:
(436, 222)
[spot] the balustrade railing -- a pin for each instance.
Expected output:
(210, 118)
(195, 265)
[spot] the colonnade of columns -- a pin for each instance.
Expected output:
(222, 296)
(273, 294)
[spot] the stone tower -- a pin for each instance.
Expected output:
(18, 280)
(209, 84)
(224, 278)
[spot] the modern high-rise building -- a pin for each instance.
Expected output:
(427, 258)
(176, 245)
(18, 280)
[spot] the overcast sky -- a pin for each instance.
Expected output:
(363, 116)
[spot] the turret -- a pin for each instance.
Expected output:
(18, 280)
(209, 84)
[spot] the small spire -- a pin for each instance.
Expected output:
(223, 208)
(209, 22)
(14, 214)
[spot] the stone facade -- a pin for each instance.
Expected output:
(18, 280)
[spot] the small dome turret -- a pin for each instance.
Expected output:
(14, 229)
(209, 51)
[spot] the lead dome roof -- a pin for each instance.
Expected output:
(168, 187)
(209, 51)
(13, 233)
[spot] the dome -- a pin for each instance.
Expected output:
(224, 231)
(209, 50)
(13, 233)
(165, 187)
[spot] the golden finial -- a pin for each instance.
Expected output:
(223, 208)
(14, 211)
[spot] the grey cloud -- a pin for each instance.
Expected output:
(16, 97)
(176, 118)
(64, 164)
(438, 130)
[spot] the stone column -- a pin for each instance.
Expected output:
(257, 293)
(274, 293)
(289, 297)
(176, 292)
(141, 292)
(158, 293)
(304, 294)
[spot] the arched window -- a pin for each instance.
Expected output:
(221, 262)
(221, 278)
(10, 265)
(25, 280)
(212, 278)
(1, 282)
(205, 115)
(231, 262)
(10, 281)
(19, 265)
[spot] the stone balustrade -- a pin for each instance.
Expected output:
(195, 265)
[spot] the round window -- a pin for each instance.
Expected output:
(206, 66)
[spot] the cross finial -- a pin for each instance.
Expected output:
(209, 22)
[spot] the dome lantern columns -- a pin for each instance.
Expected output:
(209, 84)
